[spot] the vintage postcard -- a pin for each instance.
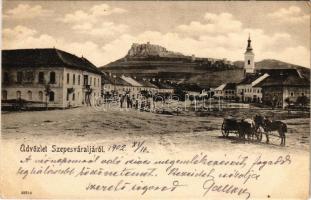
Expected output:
(155, 100)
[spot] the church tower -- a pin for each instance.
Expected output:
(249, 63)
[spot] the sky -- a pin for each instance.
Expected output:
(103, 31)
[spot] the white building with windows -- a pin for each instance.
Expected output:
(248, 90)
(52, 77)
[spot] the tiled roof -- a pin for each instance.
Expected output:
(49, 57)
(114, 80)
(221, 87)
(131, 81)
(146, 83)
(162, 85)
(276, 72)
(249, 78)
(230, 86)
(284, 80)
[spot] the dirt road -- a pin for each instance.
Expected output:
(171, 132)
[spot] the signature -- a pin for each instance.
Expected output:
(210, 185)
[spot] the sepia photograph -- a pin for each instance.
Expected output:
(155, 99)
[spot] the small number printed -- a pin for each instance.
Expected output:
(26, 192)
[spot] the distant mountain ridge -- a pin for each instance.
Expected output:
(276, 64)
(154, 61)
(271, 63)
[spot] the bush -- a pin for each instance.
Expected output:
(302, 101)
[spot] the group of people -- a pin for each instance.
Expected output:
(137, 102)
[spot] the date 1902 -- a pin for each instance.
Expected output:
(117, 147)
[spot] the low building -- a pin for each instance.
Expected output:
(225, 91)
(283, 86)
(219, 91)
(147, 86)
(163, 87)
(48, 77)
(248, 89)
(114, 85)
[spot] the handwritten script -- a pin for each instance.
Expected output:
(135, 168)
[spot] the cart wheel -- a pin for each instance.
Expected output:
(240, 134)
(224, 132)
(222, 129)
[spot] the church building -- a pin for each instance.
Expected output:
(249, 62)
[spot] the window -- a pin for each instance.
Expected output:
(91, 81)
(248, 62)
(73, 79)
(94, 81)
(18, 94)
(29, 94)
(68, 78)
(79, 80)
(302, 94)
(4, 95)
(73, 96)
(5, 77)
(98, 82)
(19, 78)
(291, 94)
(52, 77)
(41, 77)
(67, 96)
(40, 94)
(85, 79)
(51, 96)
(29, 77)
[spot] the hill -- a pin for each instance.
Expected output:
(154, 61)
(277, 64)
(149, 60)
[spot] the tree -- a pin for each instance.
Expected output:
(302, 101)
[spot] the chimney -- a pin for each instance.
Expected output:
(193, 58)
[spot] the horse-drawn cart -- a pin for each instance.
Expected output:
(241, 128)
(230, 125)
